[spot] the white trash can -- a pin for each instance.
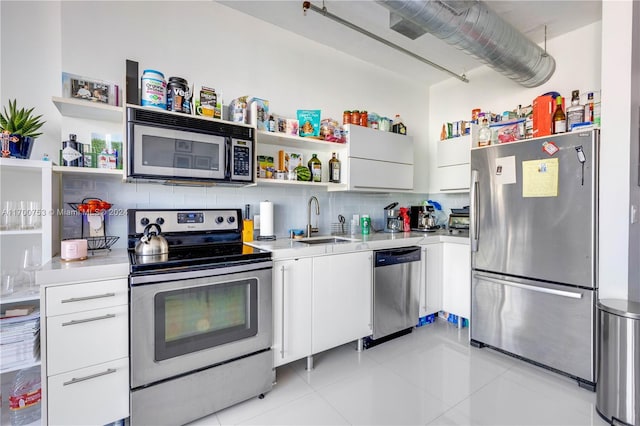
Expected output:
(618, 383)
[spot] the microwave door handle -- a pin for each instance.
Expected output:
(228, 158)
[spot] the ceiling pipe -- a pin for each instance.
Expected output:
(472, 27)
(306, 5)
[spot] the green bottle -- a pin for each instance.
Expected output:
(315, 167)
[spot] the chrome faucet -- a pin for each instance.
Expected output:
(310, 228)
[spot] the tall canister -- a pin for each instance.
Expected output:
(618, 383)
(154, 89)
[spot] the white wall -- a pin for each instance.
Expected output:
(634, 232)
(619, 253)
(208, 44)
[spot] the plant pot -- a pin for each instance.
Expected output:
(20, 146)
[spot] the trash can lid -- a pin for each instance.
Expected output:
(620, 307)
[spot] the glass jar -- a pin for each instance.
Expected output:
(355, 117)
(346, 117)
(364, 117)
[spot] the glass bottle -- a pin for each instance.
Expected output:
(575, 113)
(484, 134)
(315, 167)
(559, 118)
(334, 169)
(398, 125)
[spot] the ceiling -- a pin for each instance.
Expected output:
(530, 17)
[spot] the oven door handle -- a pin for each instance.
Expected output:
(282, 329)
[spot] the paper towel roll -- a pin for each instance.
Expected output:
(266, 219)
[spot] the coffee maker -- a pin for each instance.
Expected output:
(393, 221)
(422, 219)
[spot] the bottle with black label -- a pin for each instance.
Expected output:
(72, 152)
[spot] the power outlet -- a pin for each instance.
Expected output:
(634, 214)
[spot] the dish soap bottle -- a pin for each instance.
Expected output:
(315, 167)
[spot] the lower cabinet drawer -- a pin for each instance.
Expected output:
(86, 338)
(95, 395)
(66, 299)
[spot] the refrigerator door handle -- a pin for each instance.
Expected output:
(530, 287)
(475, 201)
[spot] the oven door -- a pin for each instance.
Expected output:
(197, 319)
(156, 152)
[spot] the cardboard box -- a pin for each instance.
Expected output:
(264, 162)
(289, 160)
(543, 109)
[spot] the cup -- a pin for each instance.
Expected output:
(9, 215)
(206, 110)
(8, 283)
(30, 214)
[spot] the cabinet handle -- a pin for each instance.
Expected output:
(454, 189)
(424, 277)
(92, 376)
(74, 322)
(282, 343)
(82, 299)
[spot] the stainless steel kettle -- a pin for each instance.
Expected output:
(152, 243)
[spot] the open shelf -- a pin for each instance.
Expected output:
(89, 110)
(280, 182)
(89, 171)
(282, 139)
(21, 231)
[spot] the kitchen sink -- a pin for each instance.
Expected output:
(326, 240)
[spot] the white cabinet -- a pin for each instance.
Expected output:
(454, 172)
(456, 279)
(85, 352)
(431, 279)
(291, 310)
(378, 161)
(342, 295)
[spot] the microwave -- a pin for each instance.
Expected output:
(179, 148)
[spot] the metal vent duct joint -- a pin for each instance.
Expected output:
(471, 26)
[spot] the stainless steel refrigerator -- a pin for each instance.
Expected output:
(534, 245)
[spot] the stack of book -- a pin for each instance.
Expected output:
(19, 337)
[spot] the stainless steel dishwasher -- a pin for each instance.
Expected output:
(396, 293)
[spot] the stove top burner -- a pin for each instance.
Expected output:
(198, 239)
(199, 257)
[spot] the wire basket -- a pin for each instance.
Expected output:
(340, 228)
(101, 243)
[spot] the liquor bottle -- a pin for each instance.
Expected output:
(315, 167)
(334, 169)
(484, 134)
(559, 118)
(575, 113)
(72, 152)
(398, 126)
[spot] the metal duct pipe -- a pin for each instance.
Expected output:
(471, 26)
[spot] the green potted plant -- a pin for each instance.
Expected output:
(22, 127)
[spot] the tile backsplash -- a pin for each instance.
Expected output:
(290, 203)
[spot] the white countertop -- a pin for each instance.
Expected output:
(287, 248)
(98, 266)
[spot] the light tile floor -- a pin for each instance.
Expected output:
(429, 377)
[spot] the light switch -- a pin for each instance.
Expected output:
(634, 214)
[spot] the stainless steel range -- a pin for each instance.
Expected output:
(201, 317)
